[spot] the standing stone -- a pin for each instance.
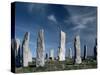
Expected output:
(52, 54)
(46, 56)
(17, 46)
(85, 52)
(58, 53)
(95, 49)
(77, 50)
(18, 55)
(13, 45)
(13, 52)
(16, 50)
(40, 58)
(25, 48)
(62, 46)
(70, 53)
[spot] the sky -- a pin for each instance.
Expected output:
(73, 20)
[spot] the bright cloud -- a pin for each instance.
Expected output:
(81, 22)
(52, 18)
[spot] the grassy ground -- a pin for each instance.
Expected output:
(58, 66)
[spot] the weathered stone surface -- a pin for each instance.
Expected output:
(51, 54)
(77, 50)
(85, 52)
(30, 56)
(70, 53)
(40, 58)
(61, 54)
(25, 48)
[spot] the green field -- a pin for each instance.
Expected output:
(58, 66)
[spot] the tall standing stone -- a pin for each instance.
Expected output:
(77, 48)
(25, 48)
(85, 52)
(46, 56)
(61, 54)
(18, 55)
(95, 49)
(70, 53)
(51, 54)
(40, 58)
(17, 46)
(16, 50)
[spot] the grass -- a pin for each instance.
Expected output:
(58, 66)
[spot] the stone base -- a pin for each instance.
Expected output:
(61, 58)
(78, 61)
(39, 64)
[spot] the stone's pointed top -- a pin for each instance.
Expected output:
(17, 43)
(17, 40)
(41, 30)
(52, 49)
(27, 33)
(77, 36)
(62, 31)
(26, 36)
